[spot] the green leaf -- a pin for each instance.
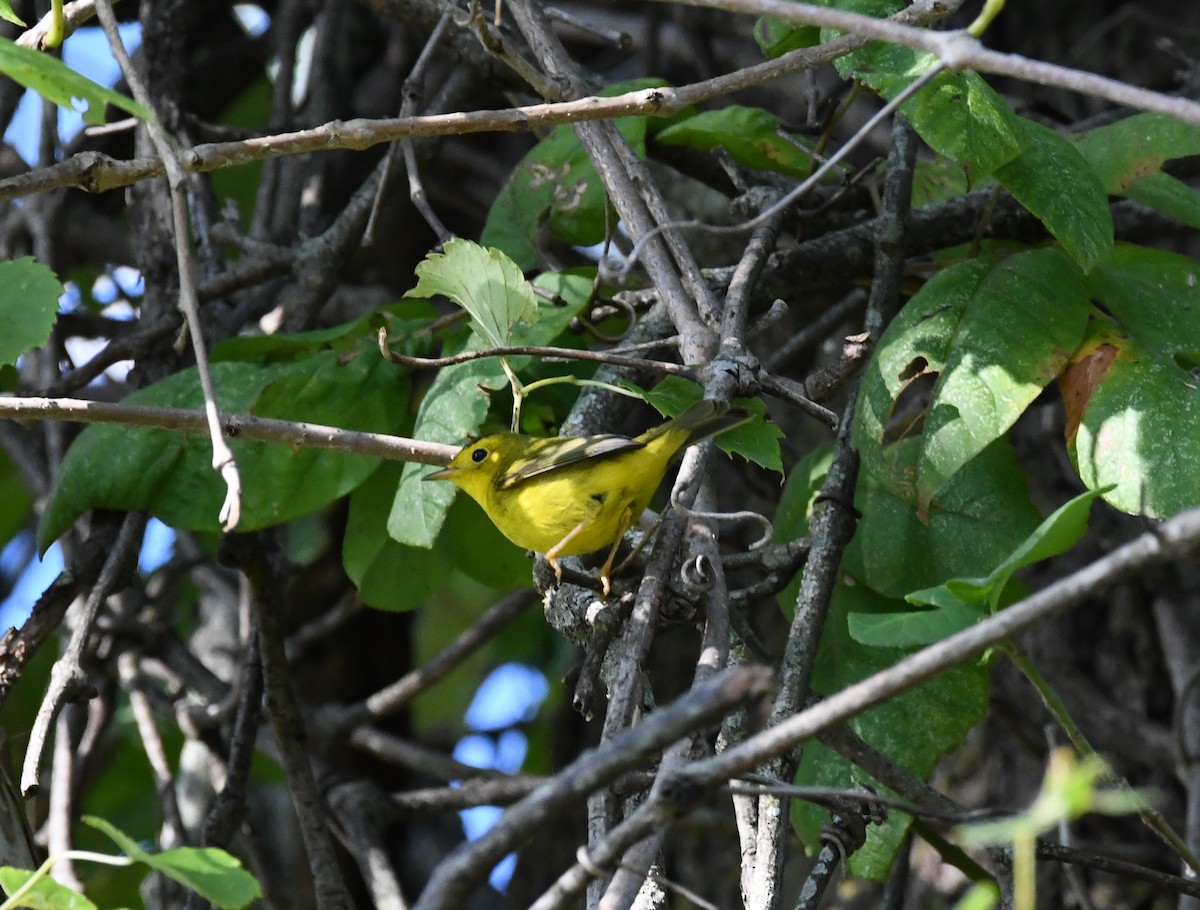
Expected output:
(993, 333)
(1169, 196)
(61, 85)
(169, 474)
(47, 894)
(29, 295)
(980, 516)
(912, 729)
(958, 114)
(1125, 152)
(396, 577)
(484, 282)
(960, 602)
(753, 137)
(555, 185)
(775, 37)
(1054, 181)
(211, 872)
(1133, 413)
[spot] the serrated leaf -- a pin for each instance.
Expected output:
(209, 871)
(1054, 182)
(1133, 390)
(753, 137)
(29, 295)
(169, 474)
(485, 283)
(454, 409)
(47, 894)
(994, 333)
(61, 85)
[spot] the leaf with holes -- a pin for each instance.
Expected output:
(555, 186)
(989, 335)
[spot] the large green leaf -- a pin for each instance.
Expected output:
(1054, 181)
(958, 114)
(29, 295)
(913, 729)
(903, 544)
(169, 474)
(61, 85)
(994, 333)
(1131, 393)
(1128, 155)
(555, 185)
(1129, 150)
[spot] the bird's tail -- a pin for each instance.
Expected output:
(703, 419)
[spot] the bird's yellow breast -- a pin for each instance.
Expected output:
(601, 498)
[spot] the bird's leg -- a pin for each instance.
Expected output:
(553, 553)
(646, 538)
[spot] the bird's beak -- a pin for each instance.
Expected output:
(443, 474)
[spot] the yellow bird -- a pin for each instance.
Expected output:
(564, 496)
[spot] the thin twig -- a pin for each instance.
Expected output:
(68, 681)
(235, 426)
(223, 460)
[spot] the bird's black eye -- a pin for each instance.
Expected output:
(479, 455)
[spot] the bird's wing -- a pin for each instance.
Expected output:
(558, 452)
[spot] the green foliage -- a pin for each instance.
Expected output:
(958, 114)
(504, 311)
(29, 295)
(756, 441)
(61, 85)
(169, 474)
(555, 185)
(43, 893)
(485, 283)
(991, 333)
(7, 13)
(1055, 182)
(980, 516)
(961, 601)
(753, 138)
(211, 872)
